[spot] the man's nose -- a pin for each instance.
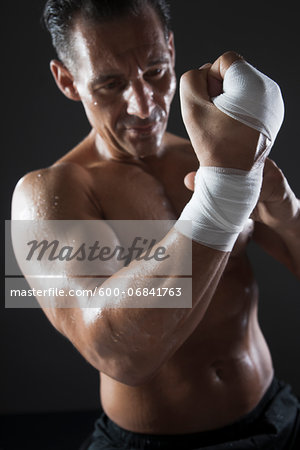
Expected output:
(139, 97)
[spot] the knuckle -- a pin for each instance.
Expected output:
(231, 55)
(188, 76)
(228, 58)
(190, 83)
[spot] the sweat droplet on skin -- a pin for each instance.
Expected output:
(56, 197)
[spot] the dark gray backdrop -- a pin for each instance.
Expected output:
(41, 371)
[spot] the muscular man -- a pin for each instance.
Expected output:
(187, 378)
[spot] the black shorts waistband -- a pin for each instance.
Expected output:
(242, 427)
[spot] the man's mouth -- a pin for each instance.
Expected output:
(148, 128)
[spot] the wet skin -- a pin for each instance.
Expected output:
(130, 168)
(224, 367)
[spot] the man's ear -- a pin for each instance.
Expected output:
(171, 46)
(64, 80)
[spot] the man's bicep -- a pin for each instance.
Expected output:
(57, 234)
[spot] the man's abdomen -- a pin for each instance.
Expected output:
(218, 375)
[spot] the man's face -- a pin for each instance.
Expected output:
(125, 78)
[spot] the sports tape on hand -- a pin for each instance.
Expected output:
(252, 98)
(222, 201)
(224, 198)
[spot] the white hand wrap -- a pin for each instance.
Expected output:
(224, 198)
(222, 202)
(252, 98)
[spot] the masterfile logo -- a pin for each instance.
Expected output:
(124, 264)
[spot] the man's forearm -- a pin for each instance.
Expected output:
(148, 335)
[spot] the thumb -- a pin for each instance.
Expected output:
(189, 181)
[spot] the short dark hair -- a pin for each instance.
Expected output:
(59, 14)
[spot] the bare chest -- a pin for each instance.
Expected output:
(132, 193)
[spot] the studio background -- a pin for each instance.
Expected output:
(41, 371)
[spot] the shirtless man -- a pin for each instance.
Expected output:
(199, 377)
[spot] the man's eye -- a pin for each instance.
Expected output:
(111, 86)
(154, 73)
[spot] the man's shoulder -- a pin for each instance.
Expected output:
(53, 176)
(45, 189)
